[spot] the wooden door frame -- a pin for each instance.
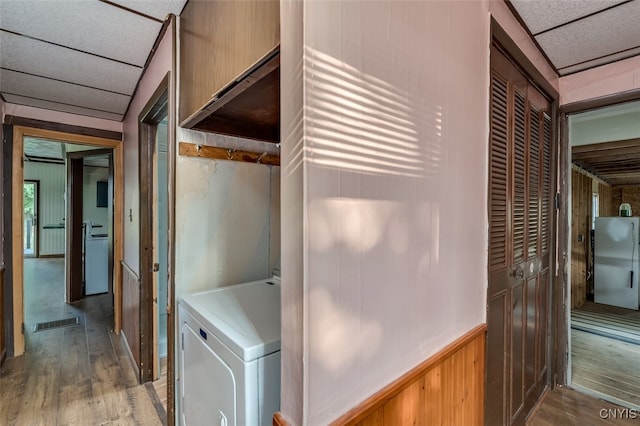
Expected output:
(161, 102)
(36, 248)
(63, 135)
(564, 243)
(74, 219)
(557, 283)
(156, 108)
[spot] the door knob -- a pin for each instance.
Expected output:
(519, 273)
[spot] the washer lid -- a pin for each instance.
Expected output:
(245, 317)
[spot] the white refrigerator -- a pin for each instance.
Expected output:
(616, 261)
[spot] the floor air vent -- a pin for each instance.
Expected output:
(48, 325)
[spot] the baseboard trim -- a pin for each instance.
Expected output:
(379, 399)
(51, 256)
(132, 360)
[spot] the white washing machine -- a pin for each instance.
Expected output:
(230, 355)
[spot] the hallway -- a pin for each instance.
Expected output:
(77, 374)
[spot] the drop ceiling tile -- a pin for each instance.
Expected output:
(541, 15)
(90, 26)
(158, 9)
(599, 35)
(600, 61)
(55, 91)
(54, 106)
(47, 60)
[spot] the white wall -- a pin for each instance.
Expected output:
(394, 225)
(227, 219)
(160, 65)
(612, 123)
(52, 179)
(91, 176)
(617, 77)
(384, 190)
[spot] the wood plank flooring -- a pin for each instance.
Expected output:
(567, 407)
(604, 364)
(160, 385)
(77, 375)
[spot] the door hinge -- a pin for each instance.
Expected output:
(558, 201)
(22, 328)
(156, 267)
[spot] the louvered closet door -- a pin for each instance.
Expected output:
(520, 191)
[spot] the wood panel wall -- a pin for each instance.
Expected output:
(131, 311)
(446, 389)
(605, 200)
(581, 193)
(631, 195)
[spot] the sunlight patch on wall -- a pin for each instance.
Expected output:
(356, 122)
(332, 333)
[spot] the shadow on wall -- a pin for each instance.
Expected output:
(374, 212)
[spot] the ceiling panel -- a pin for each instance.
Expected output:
(47, 60)
(600, 61)
(159, 9)
(542, 15)
(90, 26)
(54, 106)
(599, 35)
(12, 82)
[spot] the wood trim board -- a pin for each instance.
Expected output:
(216, 153)
(447, 388)
(59, 127)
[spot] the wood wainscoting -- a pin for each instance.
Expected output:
(131, 313)
(581, 190)
(446, 389)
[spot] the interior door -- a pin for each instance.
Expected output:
(519, 204)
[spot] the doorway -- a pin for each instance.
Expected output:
(604, 296)
(156, 178)
(17, 209)
(31, 203)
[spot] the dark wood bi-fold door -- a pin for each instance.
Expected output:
(520, 229)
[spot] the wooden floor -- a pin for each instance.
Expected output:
(606, 365)
(76, 375)
(160, 385)
(567, 407)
